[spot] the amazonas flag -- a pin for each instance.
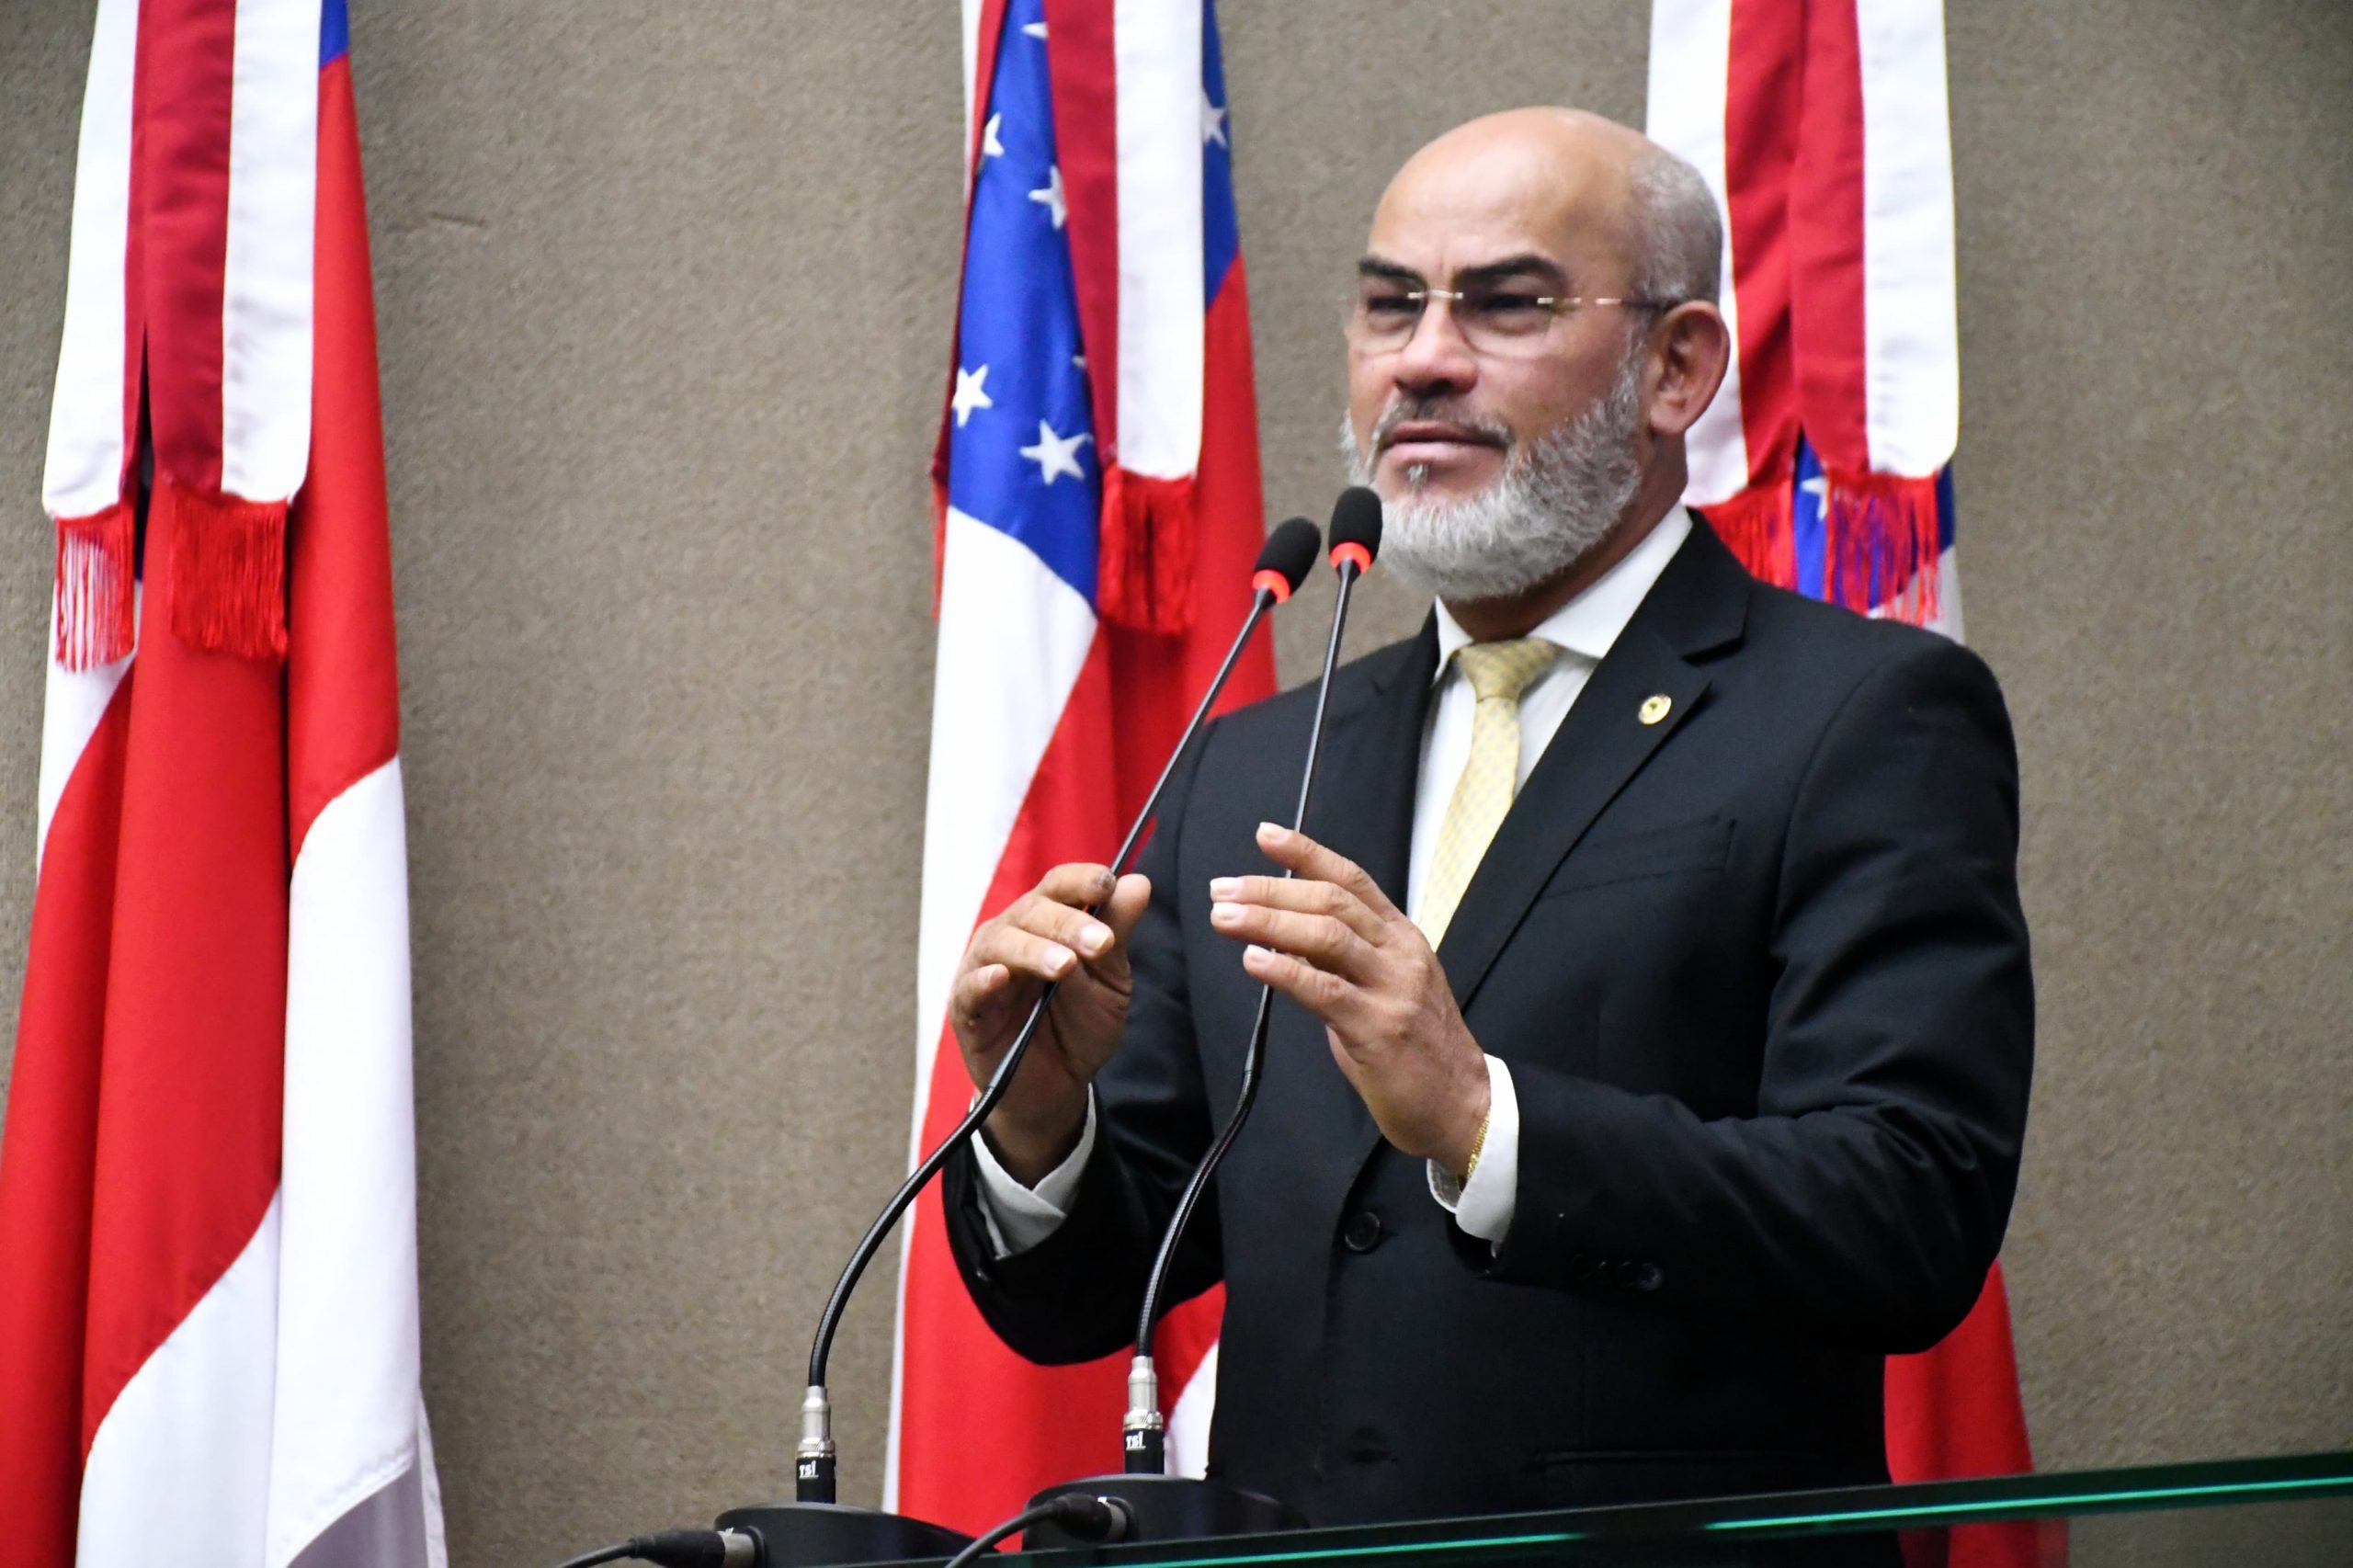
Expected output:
(1100, 506)
(208, 1315)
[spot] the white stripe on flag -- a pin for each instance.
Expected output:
(1190, 1419)
(1911, 333)
(86, 421)
(1690, 59)
(972, 35)
(180, 1469)
(348, 1361)
(266, 291)
(1012, 639)
(71, 708)
(1156, 50)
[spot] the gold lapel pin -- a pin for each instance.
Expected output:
(1654, 708)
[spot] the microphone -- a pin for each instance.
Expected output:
(1356, 539)
(1160, 1507)
(829, 1532)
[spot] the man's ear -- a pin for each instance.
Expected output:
(1692, 349)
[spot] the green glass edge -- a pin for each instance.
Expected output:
(1400, 1549)
(2114, 1498)
(1935, 1513)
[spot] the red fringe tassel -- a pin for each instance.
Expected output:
(95, 588)
(1880, 547)
(228, 573)
(1144, 576)
(1757, 525)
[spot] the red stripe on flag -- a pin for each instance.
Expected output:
(1826, 205)
(1079, 65)
(191, 1088)
(179, 152)
(1761, 89)
(1953, 1413)
(49, 1155)
(343, 680)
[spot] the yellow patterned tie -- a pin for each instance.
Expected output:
(1499, 673)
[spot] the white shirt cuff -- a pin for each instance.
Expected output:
(1482, 1206)
(1019, 1217)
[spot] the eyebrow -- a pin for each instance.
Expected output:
(1526, 263)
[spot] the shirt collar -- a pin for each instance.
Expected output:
(1589, 623)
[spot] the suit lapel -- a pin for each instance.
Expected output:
(1697, 604)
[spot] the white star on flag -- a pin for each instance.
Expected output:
(1035, 29)
(971, 393)
(1050, 198)
(990, 146)
(1213, 123)
(1055, 455)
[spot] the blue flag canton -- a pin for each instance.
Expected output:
(1811, 533)
(1022, 455)
(1221, 232)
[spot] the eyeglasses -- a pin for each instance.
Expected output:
(1498, 319)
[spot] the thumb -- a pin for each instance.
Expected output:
(1125, 908)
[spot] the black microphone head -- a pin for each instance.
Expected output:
(1289, 550)
(1356, 527)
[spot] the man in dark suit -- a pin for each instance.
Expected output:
(1656, 1021)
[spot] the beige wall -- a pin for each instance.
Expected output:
(663, 297)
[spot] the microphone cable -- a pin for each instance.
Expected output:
(1096, 1520)
(1356, 538)
(679, 1548)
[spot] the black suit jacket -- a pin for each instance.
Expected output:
(1760, 975)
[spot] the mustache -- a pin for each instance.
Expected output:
(1438, 411)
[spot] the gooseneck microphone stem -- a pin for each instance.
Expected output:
(1143, 1437)
(814, 1461)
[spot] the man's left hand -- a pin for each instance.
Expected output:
(1329, 939)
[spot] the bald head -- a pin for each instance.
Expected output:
(1620, 196)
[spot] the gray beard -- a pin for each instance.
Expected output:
(1558, 498)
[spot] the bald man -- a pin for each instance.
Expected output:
(1655, 1019)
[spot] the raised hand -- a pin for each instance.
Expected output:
(1047, 934)
(1329, 938)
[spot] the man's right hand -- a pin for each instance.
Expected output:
(1046, 934)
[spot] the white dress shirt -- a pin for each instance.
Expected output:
(1584, 629)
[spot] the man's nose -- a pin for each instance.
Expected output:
(1435, 358)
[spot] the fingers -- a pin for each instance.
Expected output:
(975, 989)
(1324, 940)
(1302, 856)
(1025, 952)
(1329, 996)
(1329, 900)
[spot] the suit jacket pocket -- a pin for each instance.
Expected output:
(1704, 845)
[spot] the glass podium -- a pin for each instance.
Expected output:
(2293, 1511)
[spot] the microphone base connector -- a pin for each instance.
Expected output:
(1171, 1507)
(807, 1534)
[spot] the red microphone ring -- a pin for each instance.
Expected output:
(1272, 581)
(1352, 550)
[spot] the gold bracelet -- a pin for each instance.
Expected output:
(1478, 1144)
